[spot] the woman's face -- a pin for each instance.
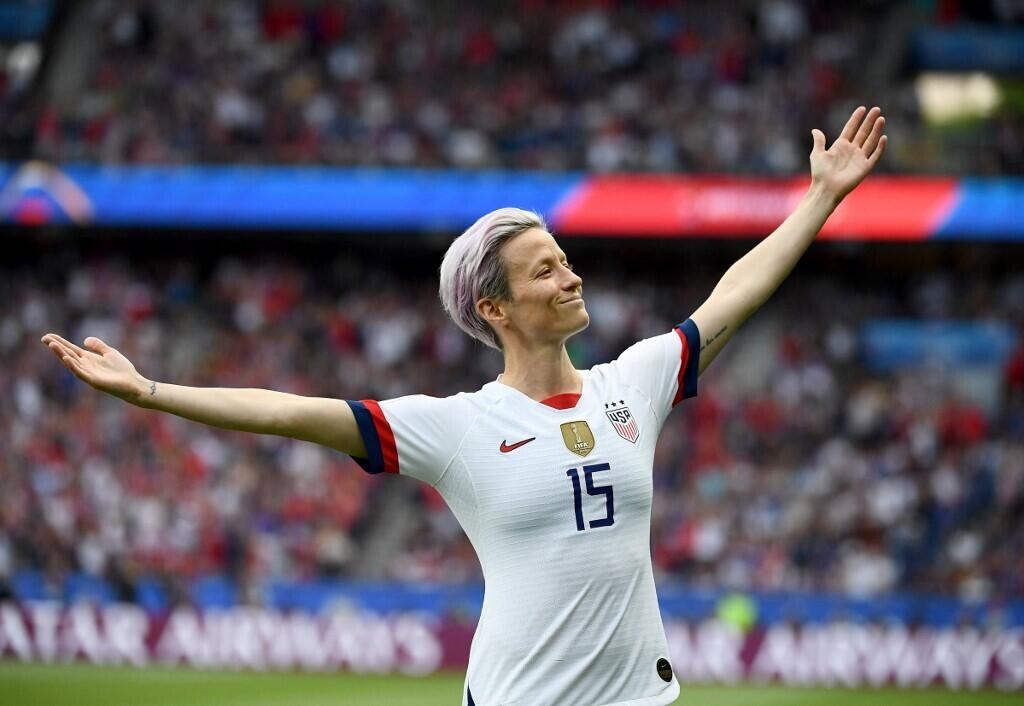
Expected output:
(547, 296)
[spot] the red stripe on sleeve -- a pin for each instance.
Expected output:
(684, 359)
(388, 449)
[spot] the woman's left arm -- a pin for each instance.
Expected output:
(754, 277)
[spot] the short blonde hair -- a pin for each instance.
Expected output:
(472, 269)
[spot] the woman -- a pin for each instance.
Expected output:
(548, 468)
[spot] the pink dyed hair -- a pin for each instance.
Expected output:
(472, 268)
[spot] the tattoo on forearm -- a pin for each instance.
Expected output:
(708, 341)
(152, 388)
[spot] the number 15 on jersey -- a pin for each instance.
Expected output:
(605, 490)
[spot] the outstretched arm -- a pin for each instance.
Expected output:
(754, 277)
(318, 419)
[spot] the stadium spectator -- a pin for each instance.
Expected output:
(822, 475)
(606, 87)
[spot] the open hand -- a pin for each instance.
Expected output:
(842, 166)
(99, 365)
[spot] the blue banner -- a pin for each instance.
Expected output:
(270, 197)
(412, 200)
(890, 344)
(24, 19)
(676, 600)
(969, 48)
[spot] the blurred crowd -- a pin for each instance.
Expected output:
(795, 468)
(602, 86)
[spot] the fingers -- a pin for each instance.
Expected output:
(62, 348)
(819, 140)
(866, 126)
(81, 363)
(73, 357)
(96, 345)
(876, 134)
(850, 130)
(68, 357)
(879, 150)
(74, 365)
(71, 347)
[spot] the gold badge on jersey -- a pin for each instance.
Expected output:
(578, 438)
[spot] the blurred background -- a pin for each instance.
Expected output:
(258, 194)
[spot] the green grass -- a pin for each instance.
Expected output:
(77, 685)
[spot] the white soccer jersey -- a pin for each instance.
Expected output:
(557, 504)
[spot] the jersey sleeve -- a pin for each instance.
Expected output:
(664, 367)
(415, 436)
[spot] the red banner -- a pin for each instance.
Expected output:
(882, 208)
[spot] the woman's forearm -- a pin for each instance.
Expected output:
(754, 277)
(241, 409)
(321, 420)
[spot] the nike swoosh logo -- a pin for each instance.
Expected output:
(505, 448)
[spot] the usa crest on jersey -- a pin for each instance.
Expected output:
(625, 423)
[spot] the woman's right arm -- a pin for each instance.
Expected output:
(320, 420)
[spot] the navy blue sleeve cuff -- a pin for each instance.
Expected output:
(374, 462)
(688, 383)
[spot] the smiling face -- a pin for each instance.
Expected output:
(547, 296)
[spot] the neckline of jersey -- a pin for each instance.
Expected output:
(561, 402)
(566, 400)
